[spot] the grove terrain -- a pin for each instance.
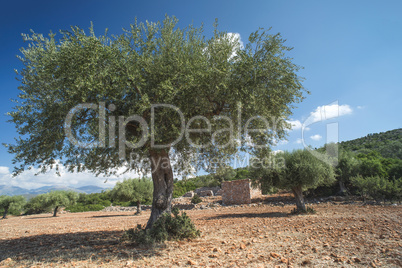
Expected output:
(256, 235)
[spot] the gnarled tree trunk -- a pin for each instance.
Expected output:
(5, 213)
(342, 188)
(138, 207)
(162, 177)
(55, 211)
(298, 193)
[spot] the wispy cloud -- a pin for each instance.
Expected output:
(296, 125)
(326, 112)
(321, 113)
(316, 137)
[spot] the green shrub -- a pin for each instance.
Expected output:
(182, 187)
(309, 210)
(196, 199)
(167, 227)
(84, 208)
(378, 188)
(121, 204)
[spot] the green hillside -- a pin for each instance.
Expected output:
(388, 144)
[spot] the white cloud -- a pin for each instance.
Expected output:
(276, 152)
(326, 112)
(322, 113)
(236, 38)
(360, 107)
(28, 180)
(316, 137)
(296, 125)
(4, 170)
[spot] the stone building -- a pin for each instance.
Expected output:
(238, 192)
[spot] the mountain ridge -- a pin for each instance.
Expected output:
(15, 190)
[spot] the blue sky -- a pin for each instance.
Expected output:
(351, 52)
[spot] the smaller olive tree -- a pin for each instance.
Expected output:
(296, 171)
(7, 203)
(133, 190)
(57, 199)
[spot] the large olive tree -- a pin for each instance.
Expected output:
(154, 97)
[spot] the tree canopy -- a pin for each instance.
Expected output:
(297, 171)
(135, 190)
(56, 199)
(155, 93)
(11, 203)
(52, 200)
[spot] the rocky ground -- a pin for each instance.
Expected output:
(263, 234)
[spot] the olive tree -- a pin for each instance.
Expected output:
(296, 171)
(153, 99)
(135, 190)
(15, 202)
(57, 199)
(36, 205)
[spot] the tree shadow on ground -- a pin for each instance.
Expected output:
(60, 248)
(108, 216)
(46, 217)
(250, 215)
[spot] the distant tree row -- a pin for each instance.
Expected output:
(38, 204)
(127, 192)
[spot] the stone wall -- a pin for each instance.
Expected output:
(202, 189)
(238, 192)
(144, 207)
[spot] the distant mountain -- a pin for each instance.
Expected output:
(91, 189)
(12, 190)
(15, 190)
(388, 144)
(46, 189)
